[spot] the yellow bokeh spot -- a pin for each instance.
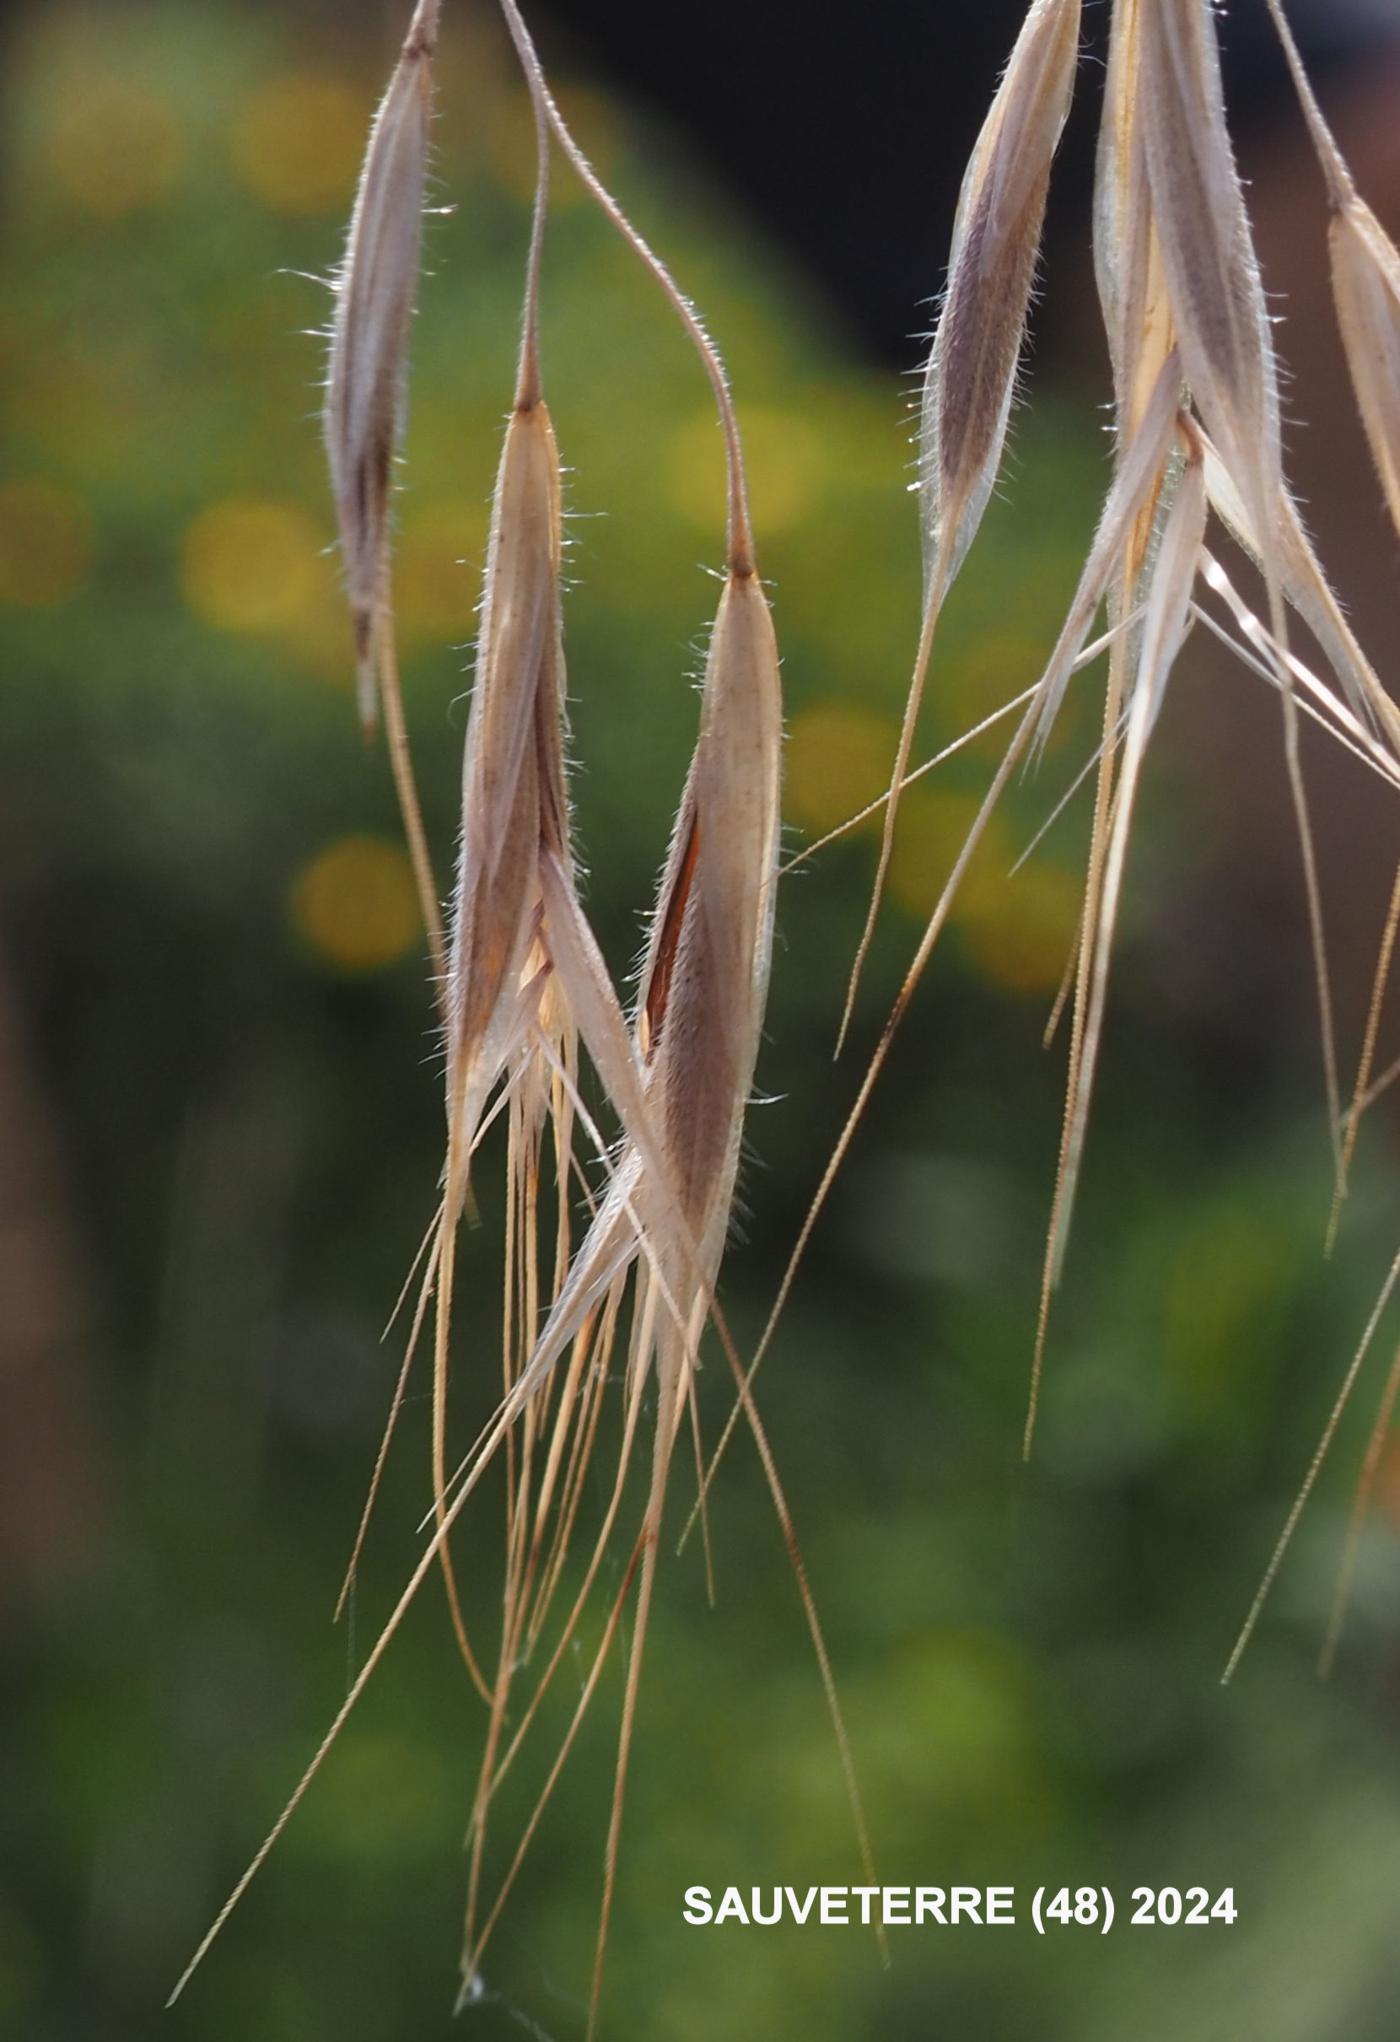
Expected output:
(114, 145)
(252, 565)
(786, 460)
(933, 825)
(437, 572)
(355, 904)
(45, 541)
(320, 637)
(511, 141)
(1019, 928)
(298, 140)
(838, 759)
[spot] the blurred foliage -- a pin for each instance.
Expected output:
(211, 946)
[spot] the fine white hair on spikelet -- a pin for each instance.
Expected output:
(366, 385)
(970, 379)
(366, 400)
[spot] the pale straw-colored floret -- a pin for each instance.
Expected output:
(514, 803)
(970, 380)
(365, 403)
(502, 987)
(681, 1082)
(1217, 296)
(971, 376)
(1366, 283)
(1127, 249)
(374, 299)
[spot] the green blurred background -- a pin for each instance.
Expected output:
(221, 1131)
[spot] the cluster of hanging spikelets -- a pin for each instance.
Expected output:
(523, 984)
(523, 987)
(1197, 434)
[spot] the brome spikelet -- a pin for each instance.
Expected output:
(366, 396)
(970, 380)
(375, 293)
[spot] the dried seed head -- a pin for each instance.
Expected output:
(1366, 285)
(680, 1085)
(971, 375)
(365, 387)
(705, 980)
(513, 792)
(996, 237)
(1127, 250)
(1217, 298)
(1136, 485)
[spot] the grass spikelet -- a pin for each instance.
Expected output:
(609, 1290)
(678, 1080)
(366, 384)
(513, 798)
(1222, 321)
(1141, 336)
(1365, 286)
(502, 997)
(681, 1085)
(1366, 291)
(706, 974)
(1127, 248)
(1134, 478)
(703, 995)
(1217, 296)
(365, 404)
(971, 375)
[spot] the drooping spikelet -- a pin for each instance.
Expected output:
(1217, 297)
(971, 376)
(1366, 284)
(502, 987)
(366, 397)
(525, 983)
(1127, 249)
(680, 1082)
(374, 299)
(514, 804)
(1365, 270)
(970, 380)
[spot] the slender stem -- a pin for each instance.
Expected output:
(1083, 970)
(913, 701)
(1368, 1054)
(740, 536)
(528, 391)
(405, 786)
(1300, 1501)
(1370, 1468)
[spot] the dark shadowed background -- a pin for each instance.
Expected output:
(220, 1114)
